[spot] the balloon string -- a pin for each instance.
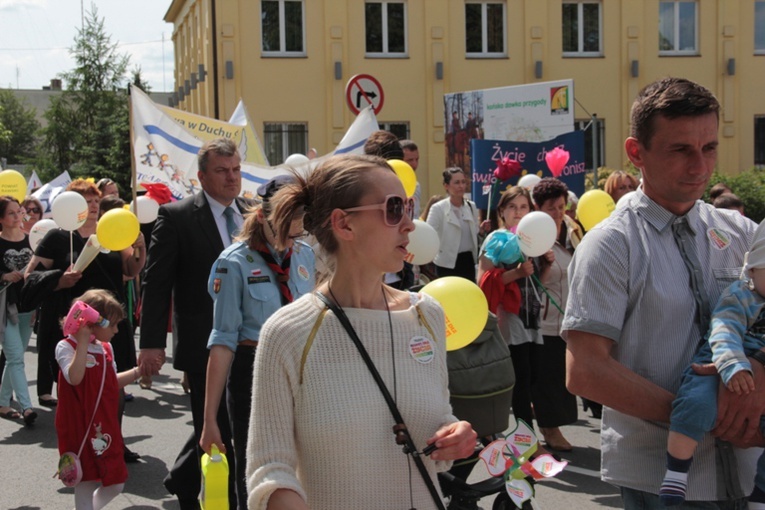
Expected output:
(544, 289)
(552, 299)
(71, 248)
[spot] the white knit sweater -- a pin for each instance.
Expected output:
(330, 438)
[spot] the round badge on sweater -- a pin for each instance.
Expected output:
(421, 349)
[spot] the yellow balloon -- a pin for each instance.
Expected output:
(594, 206)
(465, 308)
(117, 229)
(13, 184)
(405, 174)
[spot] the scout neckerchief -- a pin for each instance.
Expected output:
(282, 271)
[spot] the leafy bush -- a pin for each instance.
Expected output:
(749, 186)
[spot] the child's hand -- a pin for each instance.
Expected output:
(84, 333)
(741, 382)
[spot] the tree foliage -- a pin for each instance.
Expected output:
(749, 186)
(88, 130)
(18, 128)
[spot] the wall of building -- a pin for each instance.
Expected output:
(304, 89)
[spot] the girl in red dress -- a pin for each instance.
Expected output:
(83, 358)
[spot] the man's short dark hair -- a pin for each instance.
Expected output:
(383, 144)
(728, 201)
(671, 98)
(221, 146)
(717, 190)
(408, 145)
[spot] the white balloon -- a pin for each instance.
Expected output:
(38, 231)
(624, 199)
(69, 210)
(528, 181)
(148, 209)
(294, 160)
(536, 232)
(423, 243)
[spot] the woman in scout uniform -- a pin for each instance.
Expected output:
(251, 279)
(320, 431)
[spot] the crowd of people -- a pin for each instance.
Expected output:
(294, 325)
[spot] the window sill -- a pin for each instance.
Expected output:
(583, 55)
(482, 56)
(276, 54)
(679, 54)
(387, 55)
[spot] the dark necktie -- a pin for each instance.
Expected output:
(228, 212)
(282, 272)
(687, 245)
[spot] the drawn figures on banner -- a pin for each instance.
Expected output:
(172, 172)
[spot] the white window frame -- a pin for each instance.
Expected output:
(283, 32)
(385, 53)
(285, 132)
(484, 30)
(580, 35)
(761, 27)
(676, 29)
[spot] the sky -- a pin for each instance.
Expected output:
(35, 37)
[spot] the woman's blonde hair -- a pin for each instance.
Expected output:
(339, 183)
(612, 183)
(252, 232)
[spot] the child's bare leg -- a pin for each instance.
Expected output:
(83, 495)
(105, 494)
(680, 450)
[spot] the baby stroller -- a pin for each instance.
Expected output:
(481, 380)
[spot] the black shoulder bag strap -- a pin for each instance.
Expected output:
(399, 429)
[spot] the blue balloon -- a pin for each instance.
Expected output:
(503, 248)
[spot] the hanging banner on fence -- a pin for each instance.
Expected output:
(531, 156)
(526, 113)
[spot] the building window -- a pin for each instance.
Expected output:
(283, 139)
(759, 141)
(283, 28)
(400, 129)
(678, 22)
(759, 28)
(385, 29)
(485, 29)
(582, 26)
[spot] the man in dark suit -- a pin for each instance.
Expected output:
(187, 238)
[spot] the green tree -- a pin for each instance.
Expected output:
(21, 127)
(88, 124)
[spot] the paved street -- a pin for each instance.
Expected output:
(158, 421)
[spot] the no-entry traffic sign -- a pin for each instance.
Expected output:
(363, 90)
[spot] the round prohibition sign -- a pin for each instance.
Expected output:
(364, 90)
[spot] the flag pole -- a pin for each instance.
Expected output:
(133, 173)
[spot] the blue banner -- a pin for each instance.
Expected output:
(531, 156)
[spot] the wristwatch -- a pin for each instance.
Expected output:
(759, 356)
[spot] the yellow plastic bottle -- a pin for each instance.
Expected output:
(214, 494)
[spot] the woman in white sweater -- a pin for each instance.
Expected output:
(320, 431)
